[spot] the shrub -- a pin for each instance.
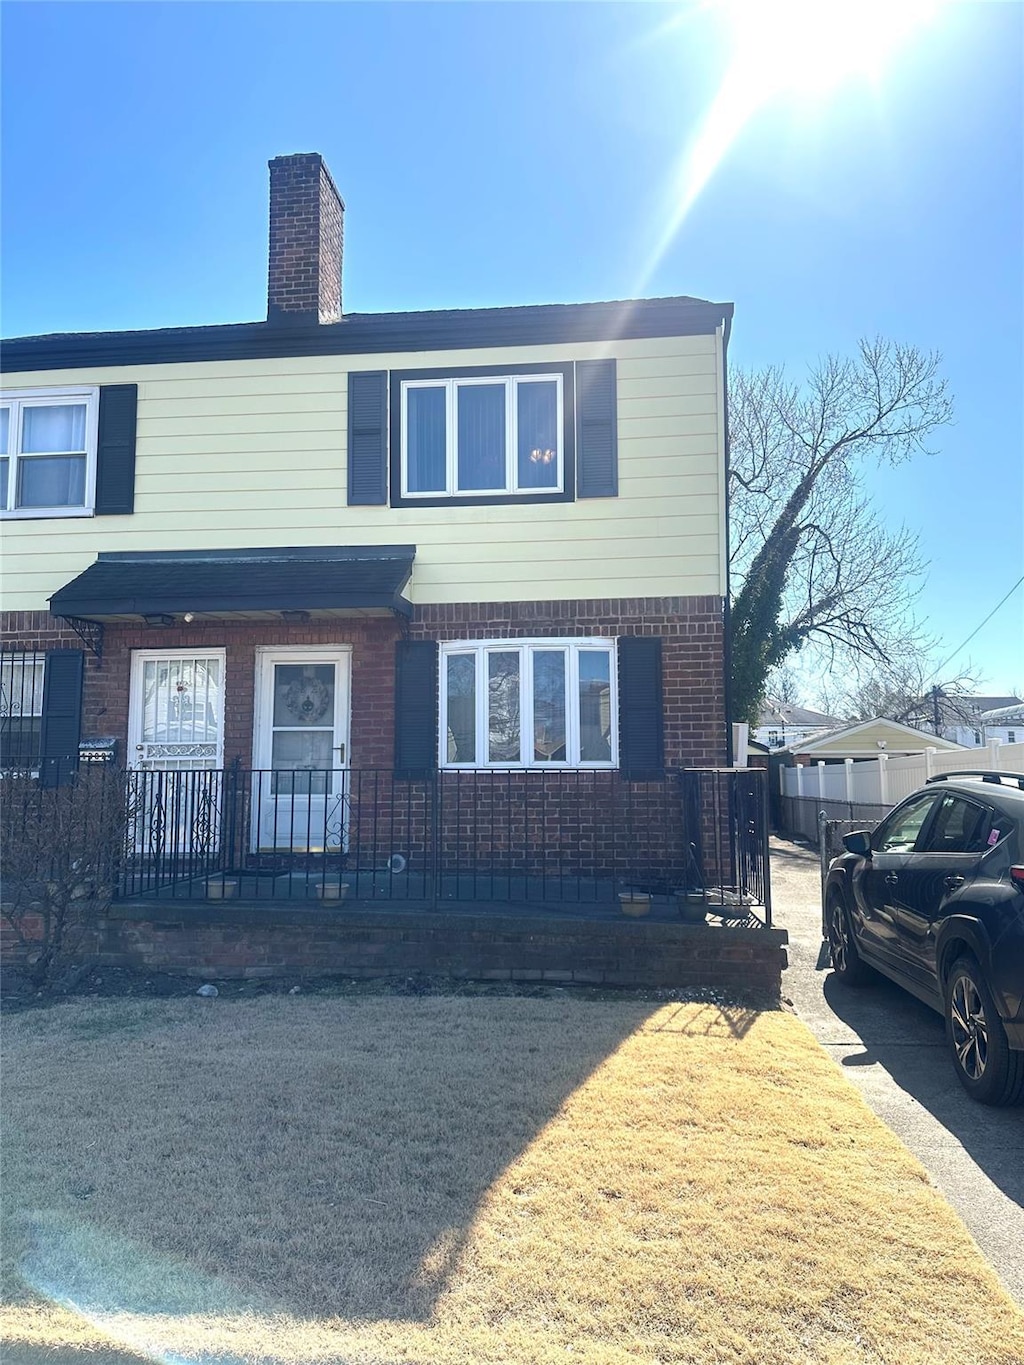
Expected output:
(62, 849)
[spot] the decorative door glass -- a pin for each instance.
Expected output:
(299, 783)
(302, 745)
(180, 712)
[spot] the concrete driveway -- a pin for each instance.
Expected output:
(893, 1049)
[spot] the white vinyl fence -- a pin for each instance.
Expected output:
(885, 781)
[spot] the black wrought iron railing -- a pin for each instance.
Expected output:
(466, 836)
(726, 827)
(513, 837)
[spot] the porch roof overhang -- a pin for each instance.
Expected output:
(318, 581)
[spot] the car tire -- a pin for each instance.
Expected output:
(847, 964)
(985, 1065)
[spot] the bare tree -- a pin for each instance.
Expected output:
(62, 849)
(812, 564)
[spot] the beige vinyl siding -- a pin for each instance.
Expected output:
(236, 454)
(864, 743)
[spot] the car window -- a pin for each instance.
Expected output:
(992, 829)
(957, 827)
(899, 833)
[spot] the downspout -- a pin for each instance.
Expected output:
(726, 612)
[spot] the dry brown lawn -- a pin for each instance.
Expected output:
(375, 1179)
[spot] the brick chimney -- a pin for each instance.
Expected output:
(307, 228)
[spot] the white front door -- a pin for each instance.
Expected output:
(300, 750)
(176, 737)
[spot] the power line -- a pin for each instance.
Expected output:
(974, 632)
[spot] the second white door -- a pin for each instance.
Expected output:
(300, 750)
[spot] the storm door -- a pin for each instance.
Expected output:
(176, 746)
(300, 753)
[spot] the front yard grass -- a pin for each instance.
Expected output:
(379, 1179)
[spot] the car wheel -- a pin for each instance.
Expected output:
(846, 960)
(987, 1068)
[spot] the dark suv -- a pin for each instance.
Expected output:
(934, 899)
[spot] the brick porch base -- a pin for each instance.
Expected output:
(471, 943)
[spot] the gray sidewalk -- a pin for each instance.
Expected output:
(893, 1049)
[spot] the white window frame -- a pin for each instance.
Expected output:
(512, 487)
(526, 648)
(17, 400)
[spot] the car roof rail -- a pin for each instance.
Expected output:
(986, 775)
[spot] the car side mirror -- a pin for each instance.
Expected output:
(858, 842)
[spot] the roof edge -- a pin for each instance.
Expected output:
(369, 333)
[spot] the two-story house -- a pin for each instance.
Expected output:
(485, 541)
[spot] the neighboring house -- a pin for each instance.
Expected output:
(1004, 723)
(866, 739)
(960, 717)
(975, 721)
(780, 725)
(486, 540)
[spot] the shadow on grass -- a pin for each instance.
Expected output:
(13, 1354)
(705, 1021)
(327, 1162)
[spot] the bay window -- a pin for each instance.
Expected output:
(529, 704)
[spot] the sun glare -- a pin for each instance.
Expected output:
(793, 46)
(782, 49)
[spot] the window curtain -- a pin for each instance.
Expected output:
(425, 440)
(481, 436)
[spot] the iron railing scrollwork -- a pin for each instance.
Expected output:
(549, 838)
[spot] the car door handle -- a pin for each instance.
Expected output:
(891, 879)
(952, 881)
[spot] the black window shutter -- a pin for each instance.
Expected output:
(641, 710)
(115, 452)
(415, 708)
(367, 437)
(62, 716)
(597, 441)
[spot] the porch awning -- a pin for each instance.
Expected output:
(321, 581)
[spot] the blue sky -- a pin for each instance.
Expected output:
(521, 153)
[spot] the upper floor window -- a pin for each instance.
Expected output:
(48, 452)
(529, 704)
(482, 435)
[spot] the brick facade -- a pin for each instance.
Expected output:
(693, 657)
(690, 628)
